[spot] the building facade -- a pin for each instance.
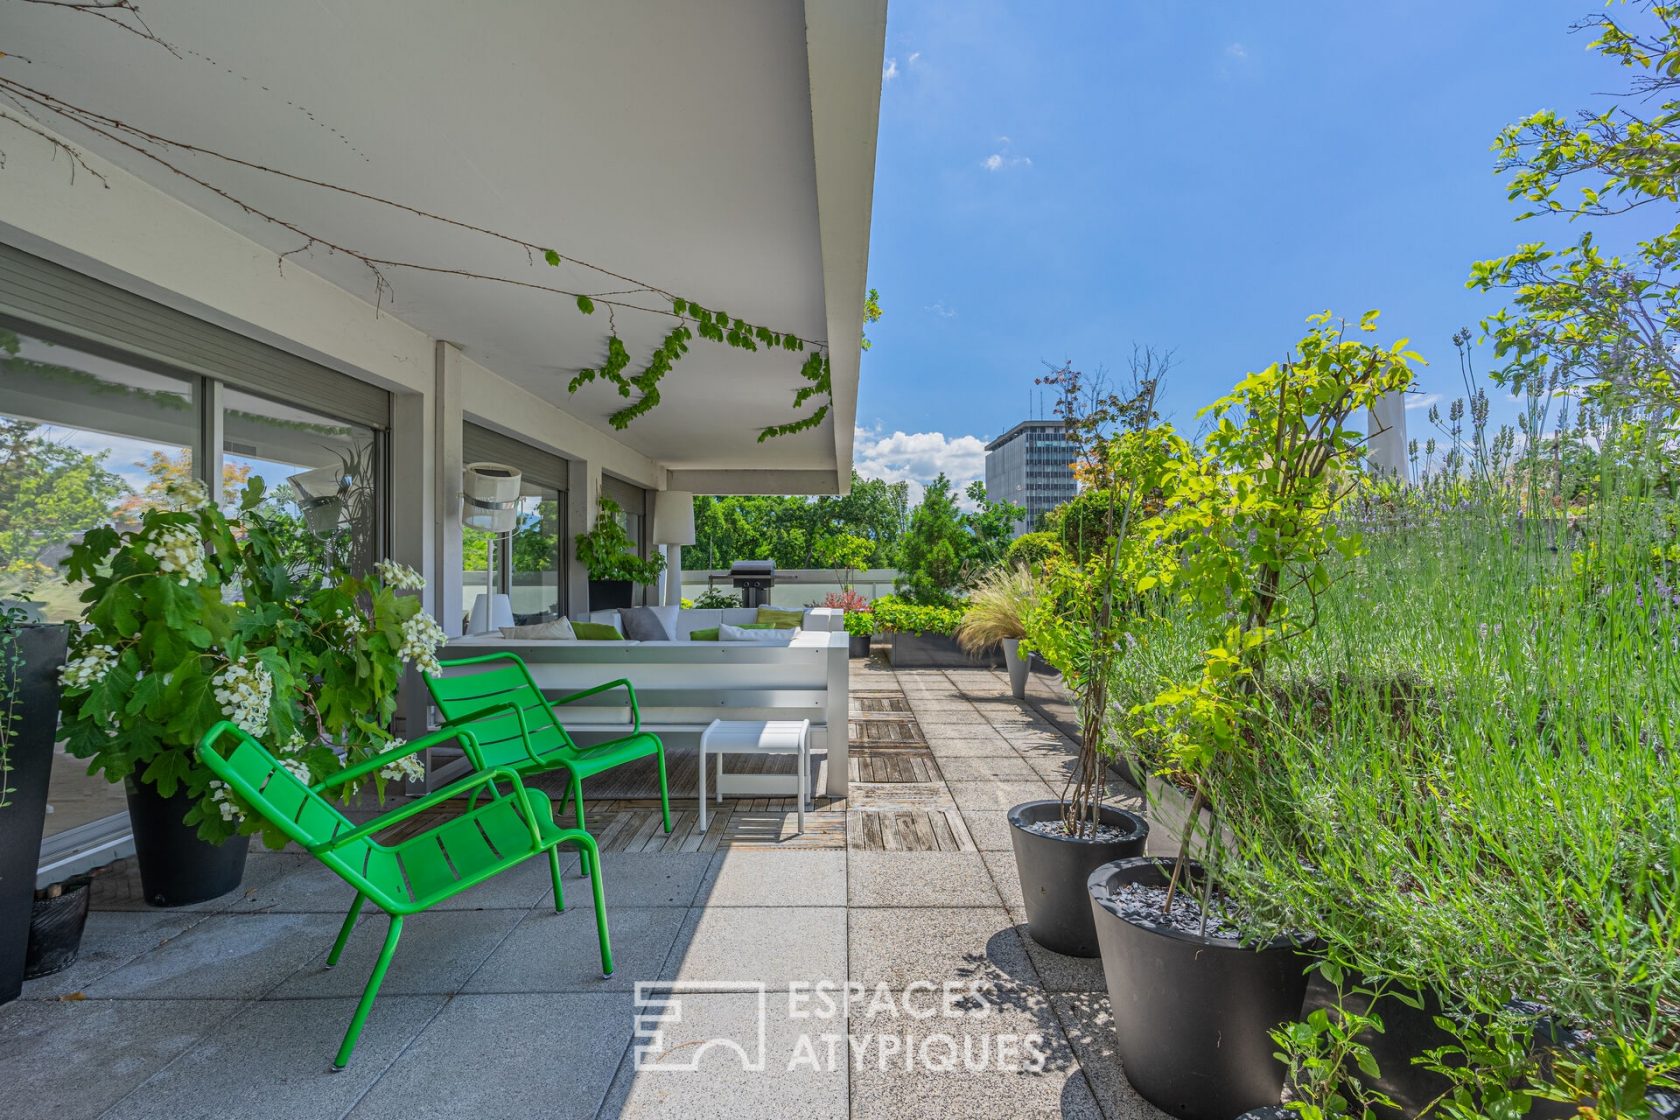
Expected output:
(1031, 465)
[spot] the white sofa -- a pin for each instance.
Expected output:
(683, 685)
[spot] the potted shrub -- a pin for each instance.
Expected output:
(921, 636)
(610, 557)
(1197, 978)
(995, 619)
(31, 655)
(1078, 624)
(859, 619)
(195, 616)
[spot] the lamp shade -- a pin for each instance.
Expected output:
(490, 497)
(490, 612)
(673, 517)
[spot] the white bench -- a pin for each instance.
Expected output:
(756, 736)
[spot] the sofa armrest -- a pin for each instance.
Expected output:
(825, 619)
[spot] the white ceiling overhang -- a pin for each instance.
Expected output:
(723, 151)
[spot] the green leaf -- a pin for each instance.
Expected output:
(551, 257)
(586, 305)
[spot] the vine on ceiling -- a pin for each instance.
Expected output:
(641, 389)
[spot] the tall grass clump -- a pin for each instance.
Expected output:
(1469, 784)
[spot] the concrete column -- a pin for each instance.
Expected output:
(583, 496)
(673, 574)
(446, 481)
(1385, 426)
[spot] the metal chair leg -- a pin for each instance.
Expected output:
(369, 993)
(600, 908)
(554, 873)
(664, 789)
(344, 930)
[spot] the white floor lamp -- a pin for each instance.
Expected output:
(673, 527)
(490, 501)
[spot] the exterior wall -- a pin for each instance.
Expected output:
(1030, 465)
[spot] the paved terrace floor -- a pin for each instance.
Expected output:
(495, 1006)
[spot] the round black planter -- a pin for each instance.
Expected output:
(1054, 869)
(1191, 1014)
(1408, 1032)
(176, 867)
(857, 645)
(55, 931)
(30, 748)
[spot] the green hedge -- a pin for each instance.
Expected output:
(895, 615)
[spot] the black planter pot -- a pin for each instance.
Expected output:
(55, 931)
(1408, 1032)
(1191, 1014)
(610, 594)
(176, 867)
(1054, 871)
(857, 645)
(30, 748)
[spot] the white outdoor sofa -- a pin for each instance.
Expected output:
(682, 685)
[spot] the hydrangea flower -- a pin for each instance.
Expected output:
(190, 495)
(88, 668)
(178, 549)
(244, 689)
(421, 637)
(224, 804)
(400, 576)
(297, 769)
(408, 768)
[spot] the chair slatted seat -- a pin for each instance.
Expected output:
(514, 726)
(498, 830)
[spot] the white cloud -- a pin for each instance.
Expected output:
(937, 307)
(890, 70)
(1415, 401)
(915, 56)
(1236, 51)
(919, 457)
(998, 161)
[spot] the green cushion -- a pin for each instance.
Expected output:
(597, 632)
(771, 618)
(708, 634)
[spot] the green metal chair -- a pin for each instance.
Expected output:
(416, 872)
(515, 727)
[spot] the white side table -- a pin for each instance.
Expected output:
(756, 736)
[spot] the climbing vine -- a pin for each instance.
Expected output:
(640, 389)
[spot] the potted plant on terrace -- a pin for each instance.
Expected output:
(31, 655)
(996, 619)
(1078, 623)
(1195, 983)
(195, 616)
(609, 555)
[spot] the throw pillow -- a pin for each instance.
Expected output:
(709, 634)
(756, 633)
(650, 624)
(781, 619)
(597, 632)
(560, 629)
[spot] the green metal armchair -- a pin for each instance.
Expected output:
(515, 727)
(497, 831)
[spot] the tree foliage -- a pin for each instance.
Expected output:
(931, 561)
(49, 492)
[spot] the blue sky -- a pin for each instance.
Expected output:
(1060, 180)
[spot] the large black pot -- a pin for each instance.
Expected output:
(1054, 870)
(176, 867)
(1191, 1014)
(610, 594)
(29, 747)
(1408, 1032)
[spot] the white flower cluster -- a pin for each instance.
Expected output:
(88, 669)
(189, 495)
(178, 549)
(243, 690)
(350, 622)
(408, 768)
(400, 576)
(223, 803)
(421, 638)
(297, 769)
